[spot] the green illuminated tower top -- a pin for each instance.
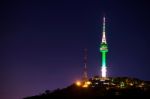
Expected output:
(103, 50)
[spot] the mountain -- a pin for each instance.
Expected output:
(98, 87)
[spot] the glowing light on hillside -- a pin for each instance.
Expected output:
(85, 86)
(78, 83)
(88, 82)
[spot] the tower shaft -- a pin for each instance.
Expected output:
(103, 59)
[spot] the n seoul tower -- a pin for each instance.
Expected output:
(104, 50)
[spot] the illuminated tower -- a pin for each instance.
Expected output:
(85, 76)
(104, 50)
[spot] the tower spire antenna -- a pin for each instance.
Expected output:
(104, 33)
(103, 23)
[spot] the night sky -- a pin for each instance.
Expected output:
(42, 42)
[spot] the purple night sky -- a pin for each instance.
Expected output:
(42, 42)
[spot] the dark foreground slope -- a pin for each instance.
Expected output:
(99, 91)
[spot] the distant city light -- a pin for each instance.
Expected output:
(85, 86)
(78, 83)
(88, 82)
(131, 84)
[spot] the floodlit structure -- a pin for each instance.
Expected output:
(103, 50)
